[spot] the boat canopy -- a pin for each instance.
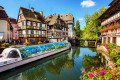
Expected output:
(34, 50)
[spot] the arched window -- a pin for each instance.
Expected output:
(13, 54)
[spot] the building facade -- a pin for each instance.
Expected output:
(5, 27)
(13, 23)
(111, 24)
(69, 20)
(31, 26)
(57, 29)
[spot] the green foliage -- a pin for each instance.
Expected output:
(111, 45)
(58, 47)
(114, 52)
(77, 28)
(6, 45)
(93, 25)
(82, 43)
(26, 43)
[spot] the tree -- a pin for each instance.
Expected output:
(93, 25)
(77, 28)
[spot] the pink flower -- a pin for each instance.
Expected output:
(84, 72)
(95, 74)
(101, 73)
(110, 64)
(117, 54)
(91, 75)
(113, 50)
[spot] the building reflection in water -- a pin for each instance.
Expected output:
(53, 66)
(103, 57)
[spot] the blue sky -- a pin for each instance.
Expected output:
(77, 7)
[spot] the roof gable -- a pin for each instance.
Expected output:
(29, 15)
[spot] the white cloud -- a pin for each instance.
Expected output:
(88, 3)
(80, 19)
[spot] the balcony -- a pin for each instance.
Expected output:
(21, 28)
(32, 35)
(111, 19)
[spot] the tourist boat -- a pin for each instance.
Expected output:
(14, 57)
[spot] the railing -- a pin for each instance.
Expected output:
(23, 27)
(32, 35)
(112, 18)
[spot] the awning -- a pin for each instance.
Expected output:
(1, 35)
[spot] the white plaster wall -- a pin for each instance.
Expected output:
(118, 41)
(3, 28)
(53, 40)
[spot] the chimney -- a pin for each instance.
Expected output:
(32, 9)
(1, 8)
(41, 13)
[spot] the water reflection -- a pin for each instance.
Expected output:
(90, 61)
(67, 66)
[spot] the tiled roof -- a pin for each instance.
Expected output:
(53, 20)
(3, 14)
(34, 16)
(12, 20)
(68, 18)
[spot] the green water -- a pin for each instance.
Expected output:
(63, 66)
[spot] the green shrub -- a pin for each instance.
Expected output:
(111, 45)
(26, 43)
(6, 45)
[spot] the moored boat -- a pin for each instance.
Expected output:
(14, 57)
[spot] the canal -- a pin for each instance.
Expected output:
(66, 65)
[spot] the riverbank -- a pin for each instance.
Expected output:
(111, 53)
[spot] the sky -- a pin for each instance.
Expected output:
(76, 7)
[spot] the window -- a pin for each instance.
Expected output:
(23, 32)
(69, 28)
(20, 16)
(39, 32)
(29, 23)
(34, 24)
(29, 31)
(34, 31)
(42, 32)
(13, 54)
(43, 25)
(20, 23)
(70, 24)
(38, 25)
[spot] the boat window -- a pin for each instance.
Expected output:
(13, 54)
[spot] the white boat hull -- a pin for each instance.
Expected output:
(28, 60)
